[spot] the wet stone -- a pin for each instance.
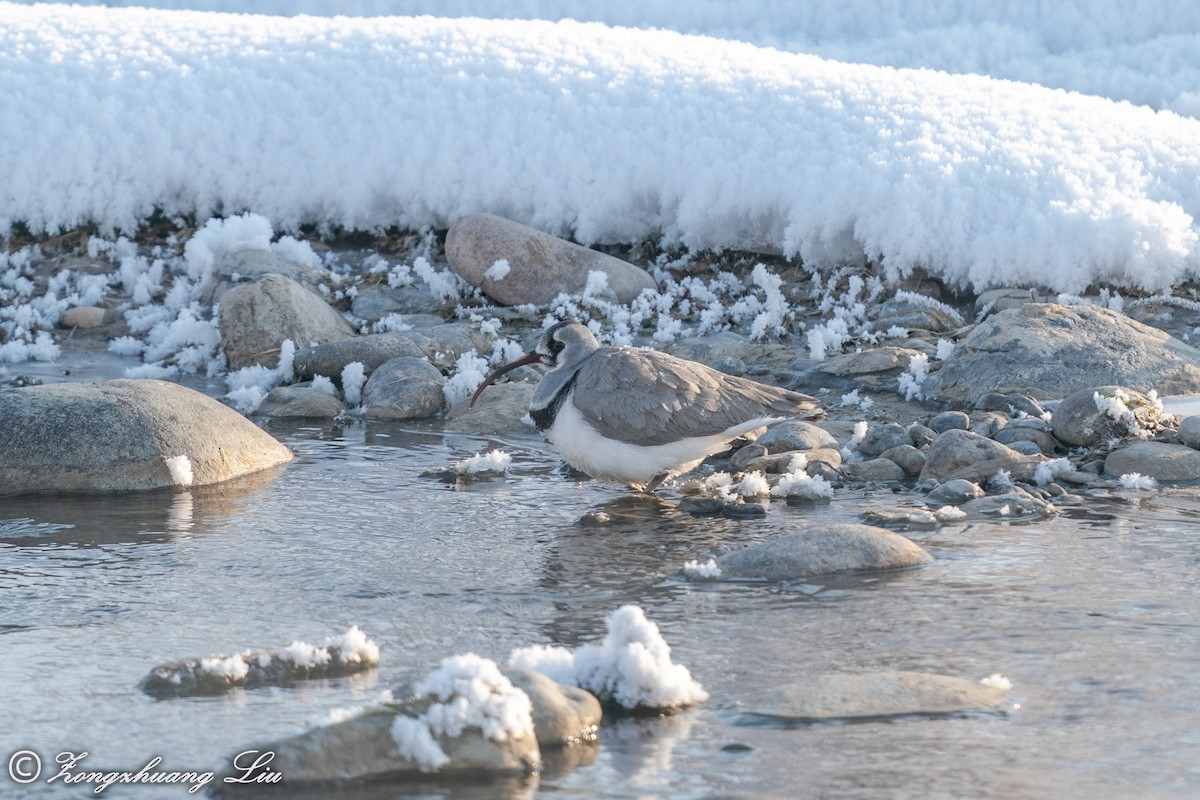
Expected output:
(701, 506)
(1189, 432)
(300, 400)
(954, 492)
(404, 388)
(835, 547)
(875, 694)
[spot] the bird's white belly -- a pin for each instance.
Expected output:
(585, 449)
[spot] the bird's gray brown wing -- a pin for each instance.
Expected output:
(645, 397)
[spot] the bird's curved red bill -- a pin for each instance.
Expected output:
(532, 358)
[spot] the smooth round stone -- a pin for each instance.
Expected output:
(883, 436)
(404, 388)
(109, 436)
(1163, 462)
(541, 266)
(909, 459)
(950, 420)
(956, 450)
(1189, 432)
(875, 470)
(255, 318)
(872, 694)
(1027, 447)
(562, 715)
(300, 400)
(836, 547)
(796, 435)
(921, 435)
(746, 454)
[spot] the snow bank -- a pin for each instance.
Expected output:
(618, 134)
(632, 666)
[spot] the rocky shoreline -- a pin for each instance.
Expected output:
(1033, 401)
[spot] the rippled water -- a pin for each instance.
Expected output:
(1094, 616)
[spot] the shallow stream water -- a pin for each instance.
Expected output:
(1094, 615)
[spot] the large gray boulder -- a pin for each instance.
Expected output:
(1048, 351)
(114, 436)
(873, 694)
(836, 547)
(255, 318)
(541, 266)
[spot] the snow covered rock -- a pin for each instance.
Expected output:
(836, 547)
(872, 694)
(404, 388)
(956, 450)
(118, 435)
(630, 668)
(1049, 351)
(562, 715)
(441, 345)
(466, 719)
(257, 317)
(1100, 413)
(540, 266)
(350, 653)
(501, 409)
(1158, 460)
(300, 400)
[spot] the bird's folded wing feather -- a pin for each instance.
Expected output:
(645, 397)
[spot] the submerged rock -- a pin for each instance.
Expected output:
(256, 318)
(122, 435)
(873, 694)
(540, 266)
(837, 547)
(1049, 351)
(350, 653)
